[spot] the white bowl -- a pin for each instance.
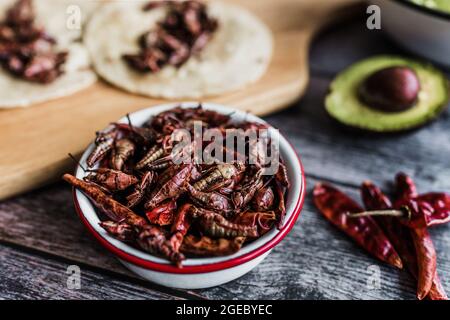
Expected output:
(198, 272)
(419, 29)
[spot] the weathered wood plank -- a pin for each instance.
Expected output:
(314, 261)
(46, 220)
(26, 276)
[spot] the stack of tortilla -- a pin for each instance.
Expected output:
(55, 17)
(238, 53)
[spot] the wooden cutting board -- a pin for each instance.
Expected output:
(34, 142)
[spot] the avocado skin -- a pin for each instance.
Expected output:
(344, 92)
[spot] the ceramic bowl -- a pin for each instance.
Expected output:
(198, 272)
(424, 31)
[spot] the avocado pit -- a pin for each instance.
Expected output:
(392, 89)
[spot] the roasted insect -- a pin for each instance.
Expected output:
(26, 50)
(244, 194)
(208, 247)
(151, 156)
(263, 221)
(154, 240)
(112, 180)
(124, 149)
(186, 30)
(138, 194)
(172, 188)
(217, 226)
(144, 136)
(211, 200)
(219, 176)
(104, 143)
(168, 207)
(264, 199)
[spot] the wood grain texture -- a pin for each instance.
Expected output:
(315, 261)
(45, 220)
(35, 142)
(25, 276)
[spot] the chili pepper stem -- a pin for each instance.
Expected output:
(391, 213)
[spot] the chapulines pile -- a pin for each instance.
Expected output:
(27, 51)
(186, 209)
(185, 31)
(396, 233)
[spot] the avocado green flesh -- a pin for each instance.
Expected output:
(439, 5)
(344, 105)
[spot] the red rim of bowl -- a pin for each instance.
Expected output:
(205, 268)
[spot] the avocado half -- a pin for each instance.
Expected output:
(344, 105)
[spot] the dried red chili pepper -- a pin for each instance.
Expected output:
(112, 180)
(405, 187)
(398, 234)
(425, 252)
(335, 205)
(437, 291)
(423, 212)
(122, 231)
(264, 199)
(414, 213)
(426, 256)
(182, 223)
(113, 209)
(427, 209)
(163, 214)
(440, 203)
(262, 220)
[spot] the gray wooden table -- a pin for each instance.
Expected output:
(40, 234)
